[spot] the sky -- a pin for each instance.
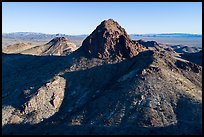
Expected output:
(77, 18)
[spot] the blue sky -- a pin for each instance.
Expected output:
(83, 17)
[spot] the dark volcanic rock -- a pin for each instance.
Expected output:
(193, 57)
(110, 40)
(189, 66)
(185, 49)
(148, 43)
(57, 39)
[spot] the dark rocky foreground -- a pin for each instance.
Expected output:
(26, 129)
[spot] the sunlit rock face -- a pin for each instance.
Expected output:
(110, 40)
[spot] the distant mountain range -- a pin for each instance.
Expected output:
(169, 35)
(34, 35)
(37, 38)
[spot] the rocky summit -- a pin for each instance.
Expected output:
(146, 91)
(110, 40)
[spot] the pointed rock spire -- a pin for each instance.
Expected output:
(110, 40)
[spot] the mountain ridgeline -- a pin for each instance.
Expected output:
(111, 84)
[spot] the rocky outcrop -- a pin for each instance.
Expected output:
(193, 57)
(148, 43)
(41, 105)
(189, 66)
(110, 40)
(46, 101)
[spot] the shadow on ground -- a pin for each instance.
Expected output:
(45, 67)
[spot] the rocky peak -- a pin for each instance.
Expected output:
(109, 40)
(112, 26)
(59, 46)
(58, 39)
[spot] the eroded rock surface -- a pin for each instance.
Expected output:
(110, 40)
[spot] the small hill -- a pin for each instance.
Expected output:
(185, 49)
(148, 43)
(59, 46)
(17, 48)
